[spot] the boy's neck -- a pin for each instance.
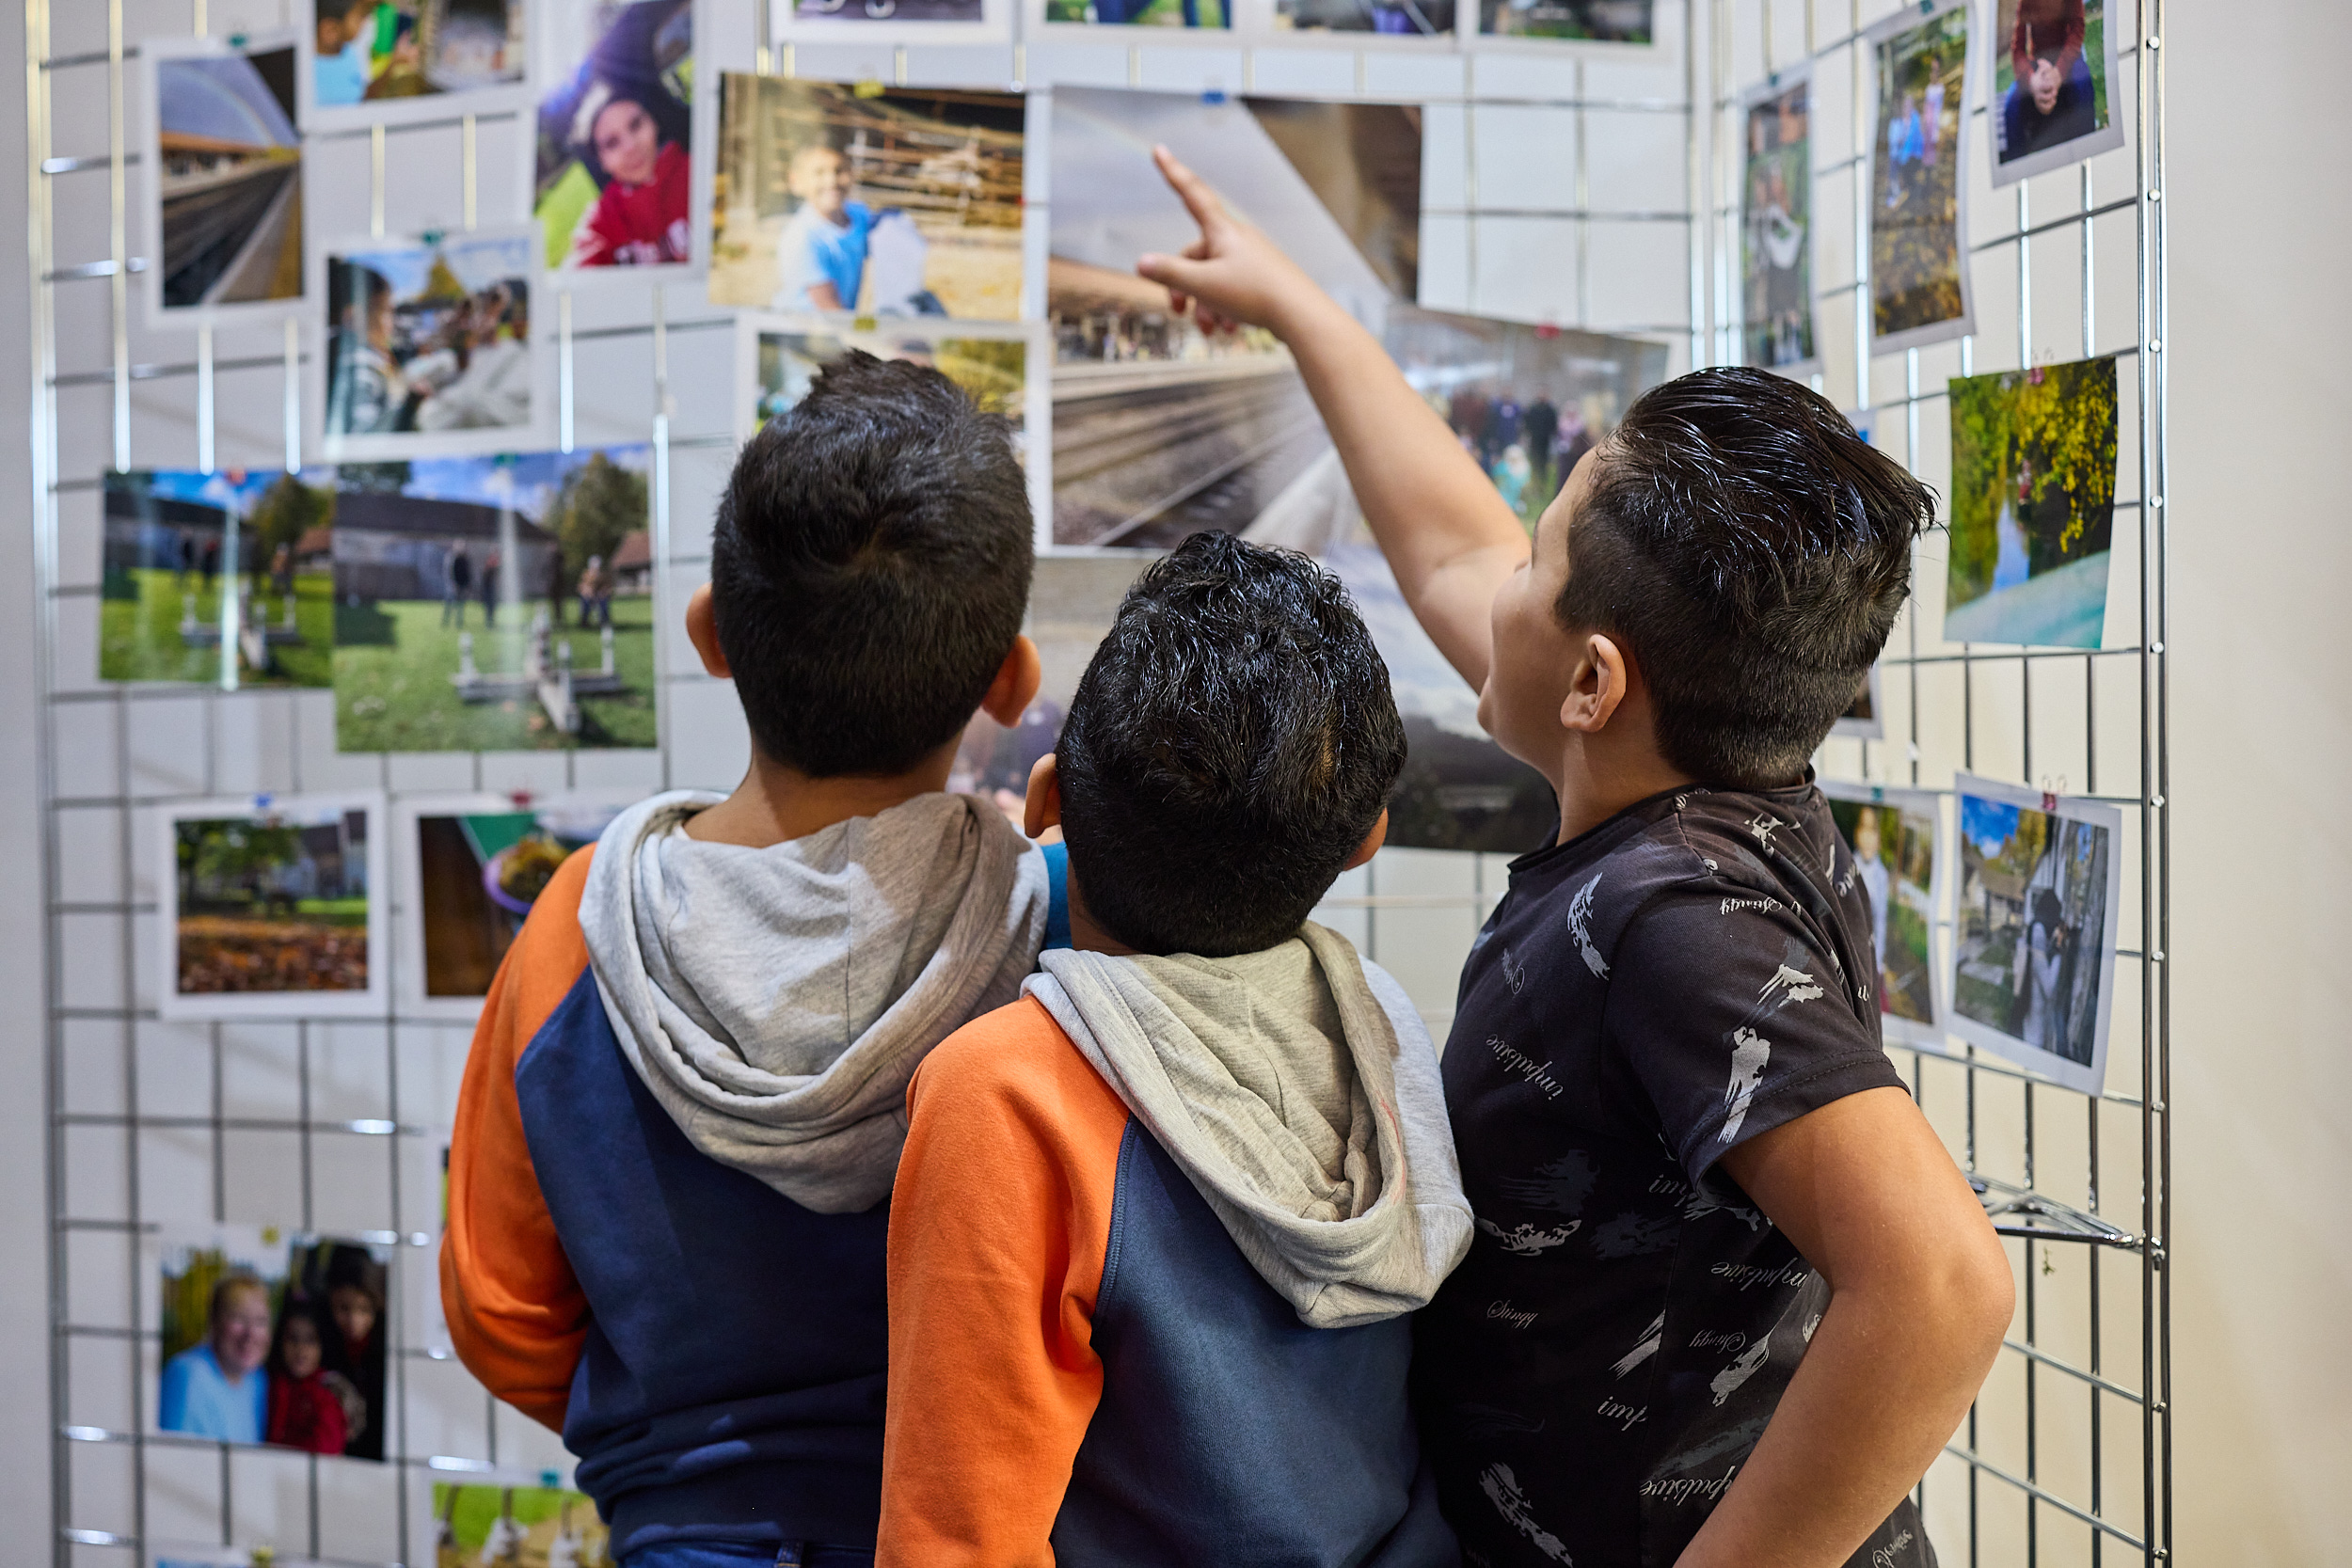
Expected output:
(1597, 782)
(775, 803)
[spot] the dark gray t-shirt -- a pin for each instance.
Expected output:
(1692, 972)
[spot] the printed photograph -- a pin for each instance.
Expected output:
(2032, 506)
(479, 871)
(516, 1526)
(224, 579)
(1604, 21)
(889, 11)
(1395, 18)
(495, 603)
(270, 909)
(2034, 933)
(428, 339)
(1776, 233)
(1918, 253)
(377, 51)
(1141, 13)
(1158, 429)
(1893, 835)
(227, 177)
(614, 178)
(267, 1342)
(2052, 61)
(902, 202)
(1527, 402)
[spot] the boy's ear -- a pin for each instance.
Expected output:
(701, 630)
(1371, 845)
(1596, 685)
(1015, 686)
(1043, 810)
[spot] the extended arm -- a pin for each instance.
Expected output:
(1920, 1296)
(1449, 535)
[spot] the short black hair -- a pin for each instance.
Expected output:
(1230, 746)
(1750, 551)
(871, 567)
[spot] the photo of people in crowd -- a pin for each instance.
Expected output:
(267, 1342)
(495, 603)
(901, 202)
(1918, 256)
(2034, 932)
(219, 579)
(1776, 233)
(1894, 837)
(429, 338)
(2052, 61)
(271, 908)
(494, 1525)
(1602, 21)
(2034, 456)
(226, 174)
(1527, 402)
(614, 185)
(373, 53)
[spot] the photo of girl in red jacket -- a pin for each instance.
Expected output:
(306, 1403)
(615, 167)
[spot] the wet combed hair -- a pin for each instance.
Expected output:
(1750, 551)
(869, 568)
(1227, 749)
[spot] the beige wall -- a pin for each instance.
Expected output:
(2261, 191)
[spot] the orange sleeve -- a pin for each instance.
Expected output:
(998, 1227)
(516, 1312)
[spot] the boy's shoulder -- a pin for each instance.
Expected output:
(549, 955)
(1736, 853)
(1013, 1061)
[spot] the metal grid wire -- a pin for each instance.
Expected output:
(331, 1124)
(2066, 1457)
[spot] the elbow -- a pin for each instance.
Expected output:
(1980, 1296)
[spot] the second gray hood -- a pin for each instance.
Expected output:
(776, 999)
(1299, 1090)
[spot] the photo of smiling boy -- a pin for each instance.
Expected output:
(821, 252)
(1730, 1295)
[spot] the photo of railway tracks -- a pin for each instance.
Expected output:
(1160, 430)
(227, 181)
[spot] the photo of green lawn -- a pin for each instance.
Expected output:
(495, 604)
(394, 662)
(183, 549)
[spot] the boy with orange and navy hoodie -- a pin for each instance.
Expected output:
(1160, 1224)
(685, 1102)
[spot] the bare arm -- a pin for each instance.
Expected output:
(1448, 534)
(1920, 1296)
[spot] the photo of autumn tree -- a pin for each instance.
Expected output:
(2033, 505)
(272, 902)
(1917, 252)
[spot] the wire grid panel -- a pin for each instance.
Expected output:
(336, 1124)
(2066, 1457)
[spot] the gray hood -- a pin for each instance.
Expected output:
(777, 999)
(1299, 1091)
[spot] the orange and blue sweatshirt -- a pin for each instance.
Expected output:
(674, 1145)
(1155, 1236)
